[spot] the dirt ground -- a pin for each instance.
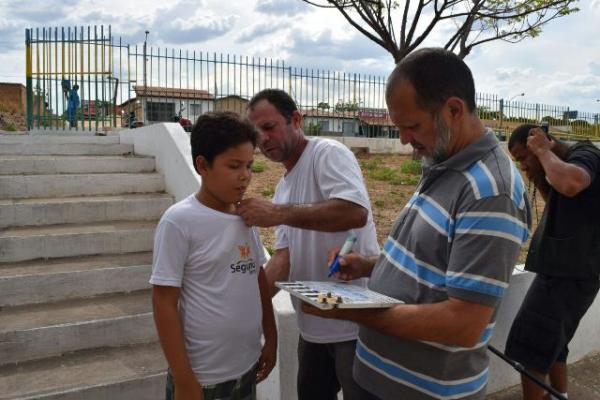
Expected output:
(388, 192)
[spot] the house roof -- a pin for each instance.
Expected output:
(177, 93)
(319, 113)
(378, 117)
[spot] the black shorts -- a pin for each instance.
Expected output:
(548, 319)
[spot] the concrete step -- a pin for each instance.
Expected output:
(48, 164)
(39, 281)
(74, 210)
(62, 145)
(40, 331)
(58, 139)
(30, 243)
(67, 185)
(66, 149)
(126, 373)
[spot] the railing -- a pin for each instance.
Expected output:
(124, 85)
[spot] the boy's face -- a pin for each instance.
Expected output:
(226, 180)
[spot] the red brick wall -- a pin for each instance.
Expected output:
(12, 98)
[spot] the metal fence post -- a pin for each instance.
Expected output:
(29, 82)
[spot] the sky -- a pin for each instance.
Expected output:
(560, 67)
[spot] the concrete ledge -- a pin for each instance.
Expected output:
(375, 145)
(40, 288)
(123, 373)
(31, 186)
(44, 165)
(48, 341)
(61, 149)
(76, 240)
(170, 145)
(78, 210)
(46, 139)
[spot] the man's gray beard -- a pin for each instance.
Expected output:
(440, 151)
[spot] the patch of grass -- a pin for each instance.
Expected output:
(383, 174)
(406, 180)
(379, 203)
(412, 167)
(259, 166)
(268, 192)
(270, 250)
(372, 164)
(10, 128)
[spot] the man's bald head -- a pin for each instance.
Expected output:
(436, 75)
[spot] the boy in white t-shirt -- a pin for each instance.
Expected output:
(210, 296)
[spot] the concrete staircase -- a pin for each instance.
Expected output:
(77, 219)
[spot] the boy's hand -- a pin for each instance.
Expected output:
(267, 360)
(352, 265)
(188, 389)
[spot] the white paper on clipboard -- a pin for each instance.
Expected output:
(352, 296)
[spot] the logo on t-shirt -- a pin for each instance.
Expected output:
(246, 264)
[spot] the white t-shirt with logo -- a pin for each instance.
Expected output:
(326, 170)
(215, 259)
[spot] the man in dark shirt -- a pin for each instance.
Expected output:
(564, 253)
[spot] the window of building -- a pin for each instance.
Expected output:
(195, 109)
(160, 112)
(324, 124)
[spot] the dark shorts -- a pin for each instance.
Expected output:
(548, 319)
(243, 388)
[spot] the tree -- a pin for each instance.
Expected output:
(470, 22)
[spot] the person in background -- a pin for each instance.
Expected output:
(564, 253)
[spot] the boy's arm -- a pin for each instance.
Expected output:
(277, 269)
(170, 333)
(268, 356)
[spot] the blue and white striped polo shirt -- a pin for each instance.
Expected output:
(459, 236)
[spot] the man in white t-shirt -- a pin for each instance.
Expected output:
(210, 294)
(319, 201)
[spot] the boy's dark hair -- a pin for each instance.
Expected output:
(436, 74)
(520, 134)
(215, 132)
(282, 101)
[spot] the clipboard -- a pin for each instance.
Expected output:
(329, 295)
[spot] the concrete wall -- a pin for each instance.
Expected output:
(170, 145)
(376, 145)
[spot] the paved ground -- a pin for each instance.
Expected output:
(584, 382)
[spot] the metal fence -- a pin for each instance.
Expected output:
(84, 78)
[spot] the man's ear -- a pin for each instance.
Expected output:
(456, 108)
(296, 119)
(201, 164)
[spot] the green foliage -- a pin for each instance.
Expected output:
(383, 174)
(268, 192)
(346, 105)
(398, 27)
(270, 250)
(323, 106)
(379, 203)
(313, 129)
(10, 128)
(372, 164)
(412, 167)
(259, 166)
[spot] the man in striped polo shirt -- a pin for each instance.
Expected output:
(450, 253)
